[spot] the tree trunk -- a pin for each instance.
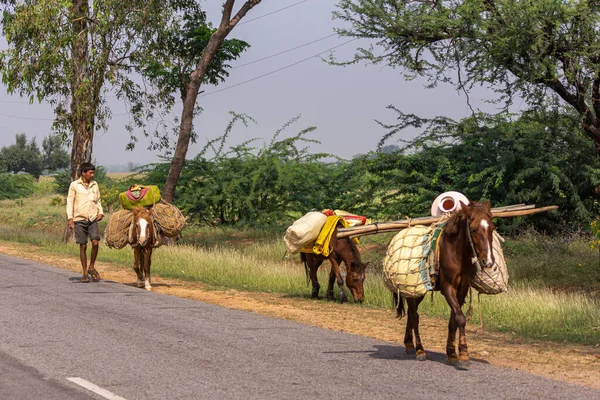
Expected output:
(82, 96)
(82, 114)
(191, 92)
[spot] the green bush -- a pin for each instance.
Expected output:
(16, 186)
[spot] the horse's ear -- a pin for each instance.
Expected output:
(466, 207)
(488, 204)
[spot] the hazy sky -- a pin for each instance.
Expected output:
(342, 102)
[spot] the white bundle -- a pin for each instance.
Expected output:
(493, 280)
(304, 231)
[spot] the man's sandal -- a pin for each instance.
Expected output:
(84, 279)
(94, 274)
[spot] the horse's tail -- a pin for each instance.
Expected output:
(399, 302)
(306, 270)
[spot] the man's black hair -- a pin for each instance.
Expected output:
(86, 166)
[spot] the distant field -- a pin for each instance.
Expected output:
(121, 175)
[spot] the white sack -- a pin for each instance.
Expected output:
(304, 231)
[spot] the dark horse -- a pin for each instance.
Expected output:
(143, 239)
(466, 241)
(341, 250)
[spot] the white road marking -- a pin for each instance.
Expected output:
(95, 388)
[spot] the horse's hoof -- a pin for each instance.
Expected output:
(343, 300)
(409, 348)
(452, 360)
(463, 364)
(140, 284)
(421, 356)
(330, 296)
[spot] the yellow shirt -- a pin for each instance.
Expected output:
(83, 204)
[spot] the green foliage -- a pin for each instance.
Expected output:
(518, 48)
(167, 67)
(66, 53)
(58, 201)
(55, 156)
(62, 179)
(22, 156)
(16, 186)
(253, 186)
(540, 158)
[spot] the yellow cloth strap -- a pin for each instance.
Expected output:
(321, 245)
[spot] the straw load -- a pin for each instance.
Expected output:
(493, 280)
(116, 235)
(168, 218)
(407, 263)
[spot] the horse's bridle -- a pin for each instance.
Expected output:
(475, 258)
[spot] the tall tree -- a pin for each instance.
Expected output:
(67, 52)
(524, 48)
(22, 156)
(174, 56)
(13, 157)
(53, 153)
(192, 88)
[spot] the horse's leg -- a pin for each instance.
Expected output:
(137, 260)
(332, 278)
(335, 268)
(420, 354)
(314, 265)
(409, 345)
(452, 357)
(457, 319)
(147, 261)
(463, 351)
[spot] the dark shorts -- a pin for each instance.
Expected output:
(85, 229)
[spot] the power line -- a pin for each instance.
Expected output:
(33, 119)
(237, 84)
(14, 102)
(273, 12)
(285, 51)
(278, 70)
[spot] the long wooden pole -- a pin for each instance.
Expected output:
(380, 227)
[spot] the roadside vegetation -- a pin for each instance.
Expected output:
(553, 286)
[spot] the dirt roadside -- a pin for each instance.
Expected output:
(569, 363)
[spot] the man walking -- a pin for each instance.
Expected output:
(84, 210)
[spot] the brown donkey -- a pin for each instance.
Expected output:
(341, 250)
(464, 245)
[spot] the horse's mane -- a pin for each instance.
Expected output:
(479, 211)
(353, 248)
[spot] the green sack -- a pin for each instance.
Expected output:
(139, 196)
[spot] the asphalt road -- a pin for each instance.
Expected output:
(127, 343)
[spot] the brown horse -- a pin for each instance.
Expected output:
(465, 243)
(143, 239)
(341, 250)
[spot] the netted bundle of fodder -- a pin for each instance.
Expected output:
(169, 218)
(493, 280)
(405, 265)
(116, 234)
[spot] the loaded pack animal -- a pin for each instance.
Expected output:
(465, 241)
(341, 250)
(143, 238)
